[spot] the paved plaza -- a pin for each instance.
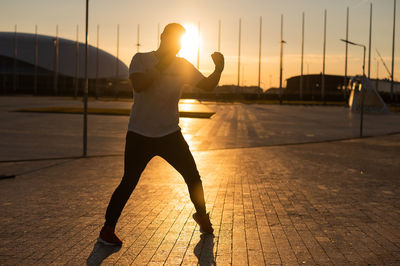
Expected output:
(44, 135)
(284, 185)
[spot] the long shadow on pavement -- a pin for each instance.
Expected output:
(100, 252)
(204, 250)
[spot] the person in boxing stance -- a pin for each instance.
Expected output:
(157, 79)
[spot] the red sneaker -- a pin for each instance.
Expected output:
(108, 237)
(204, 223)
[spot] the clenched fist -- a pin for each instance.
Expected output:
(219, 61)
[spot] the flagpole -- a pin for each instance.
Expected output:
(198, 46)
(239, 47)
(36, 60)
(370, 37)
(281, 63)
(219, 35)
(302, 57)
(259, 58)
(393, 45)
(323, 61)
(346, 52)
(85, 92)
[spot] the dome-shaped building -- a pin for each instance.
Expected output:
(38, 64)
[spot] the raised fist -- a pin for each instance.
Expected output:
(219, 61)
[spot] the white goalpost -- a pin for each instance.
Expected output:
(363, 93)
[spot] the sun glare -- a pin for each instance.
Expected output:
(190, 42)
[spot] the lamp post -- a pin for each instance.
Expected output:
(281, 63)
(362, 93)
(360, 45)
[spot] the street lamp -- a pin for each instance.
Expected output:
(361, 45)
(362, 88)
(280, 72)
(281, 62)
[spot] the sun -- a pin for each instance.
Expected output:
(190, 43)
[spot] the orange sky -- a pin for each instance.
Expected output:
(67, 14)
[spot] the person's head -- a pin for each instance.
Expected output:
(171, 38)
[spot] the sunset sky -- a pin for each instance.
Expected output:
(67, 14)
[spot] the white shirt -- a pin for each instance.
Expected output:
(155, 110)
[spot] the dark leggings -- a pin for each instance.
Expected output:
(139, 150)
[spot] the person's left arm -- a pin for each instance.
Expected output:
(210, 83)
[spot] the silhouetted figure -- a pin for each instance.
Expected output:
(157, 78)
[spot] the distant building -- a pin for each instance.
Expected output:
(273, 90)
(48, 66)
(225, 89)
(230, 89)
(312, 84)
(383, 85)
(333, 83)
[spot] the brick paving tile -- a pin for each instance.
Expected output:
(317, 204)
